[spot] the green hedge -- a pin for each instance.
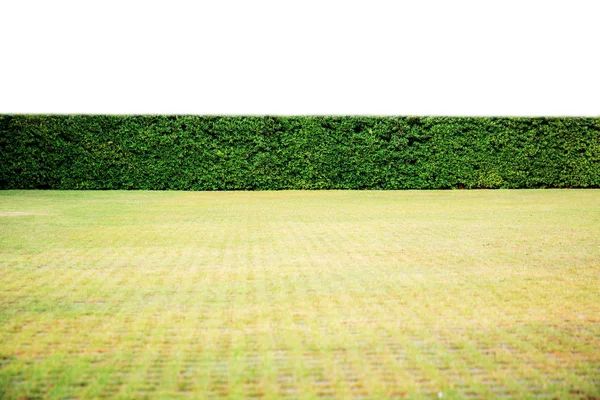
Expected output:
(301, 152)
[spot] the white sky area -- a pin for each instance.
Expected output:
(289, 57)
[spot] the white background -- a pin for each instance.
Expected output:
(371, 57)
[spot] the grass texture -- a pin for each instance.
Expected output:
(300, 295)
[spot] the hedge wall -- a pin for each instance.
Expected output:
(301, 152)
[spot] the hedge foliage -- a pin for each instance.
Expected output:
(296, 152)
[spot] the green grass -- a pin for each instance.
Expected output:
(333, 294)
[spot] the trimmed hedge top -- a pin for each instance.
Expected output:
(301, 152)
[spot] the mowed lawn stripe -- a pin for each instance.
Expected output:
(300, 294)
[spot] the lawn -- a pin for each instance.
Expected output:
(300, 294)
